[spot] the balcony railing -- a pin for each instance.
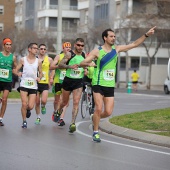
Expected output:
(65, 7)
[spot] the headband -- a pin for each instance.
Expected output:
(66, 44)
(7, 40)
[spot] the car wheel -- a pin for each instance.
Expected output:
(166, 90)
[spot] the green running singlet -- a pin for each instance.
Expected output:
(6, 64)
(104, 74)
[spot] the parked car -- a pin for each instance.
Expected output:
(167, 80)
(167, 86)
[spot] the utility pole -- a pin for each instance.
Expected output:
(59, 28)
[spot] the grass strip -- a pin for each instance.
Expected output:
(155, 121)
(16, 95)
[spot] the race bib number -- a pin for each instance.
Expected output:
(109, 74)
(44, 76)
(4, 73)
(29, 83)
(76, 73)
(62, 74)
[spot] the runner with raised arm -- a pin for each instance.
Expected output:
(103, 81)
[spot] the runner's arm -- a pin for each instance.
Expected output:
(52, 72)
(18, 67)
(123, 48)
(53, 64)
(88, 60)
(63, 62)
(14, 62)
(39, 70)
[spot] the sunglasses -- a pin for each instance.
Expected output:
(79, 45)
(43, 49)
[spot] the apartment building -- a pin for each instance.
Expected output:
(130, 19)
(41, 16)
(7, 11)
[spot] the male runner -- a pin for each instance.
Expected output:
(44, 83)
(103, 80)
(28, 85)
(58, 80)
(7, 63)
(73, 81)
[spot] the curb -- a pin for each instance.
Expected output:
(154, 139)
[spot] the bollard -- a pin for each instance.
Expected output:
(129, 88)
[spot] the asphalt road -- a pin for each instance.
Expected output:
(48, 147)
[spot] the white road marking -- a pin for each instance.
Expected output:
(116, 143)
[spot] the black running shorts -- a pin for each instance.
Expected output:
(72, 84)
(104, 91)
(5, 86)
(30, 91)
(42, 87)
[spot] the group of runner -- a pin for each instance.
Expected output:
(66, 73)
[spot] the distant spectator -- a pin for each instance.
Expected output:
(135, 77)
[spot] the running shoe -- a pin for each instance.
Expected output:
(61, 122)
(56, 116)
(1, 123)
(24, 125)
(72, 128)
(43, 110)
(28, 114)
(96, 137)
(38, 120)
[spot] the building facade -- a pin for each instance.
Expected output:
(130, 19)
(7, 11)
(41, 16)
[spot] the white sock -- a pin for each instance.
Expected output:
(38, 116)
(0, 119)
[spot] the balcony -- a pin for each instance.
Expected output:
(64, 7)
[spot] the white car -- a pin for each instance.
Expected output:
(167, 80)
(167, 86)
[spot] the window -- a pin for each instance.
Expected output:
(29, 24)
(53, 2)
(1, 9)
(1, 27)
(118, 9)
(162, 61)
(53, 22)
(73, 2)
(101, 13)
(30, 6)
(69, 24)
(139, 6)
(135, 62)
(144, 61)
(122, 63)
